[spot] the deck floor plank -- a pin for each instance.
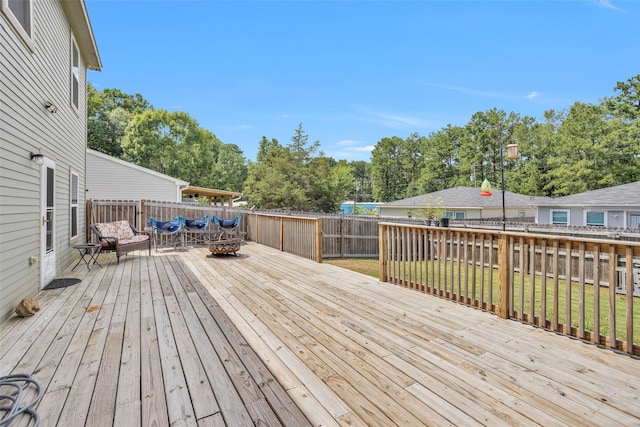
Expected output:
(183, 337)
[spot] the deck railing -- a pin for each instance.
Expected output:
(301, 236)
(585, 288)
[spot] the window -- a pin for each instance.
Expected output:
(634, 221)
(18, 12)
(595, 218)
(454, 214)
(75, 75)
(560, 217)
(73, 198)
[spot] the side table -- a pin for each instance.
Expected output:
(88, 252)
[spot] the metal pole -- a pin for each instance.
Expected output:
(504, 214)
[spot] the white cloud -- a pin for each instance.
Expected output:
(394, 121)
(607, 4)
(532, 95)
(366, 149)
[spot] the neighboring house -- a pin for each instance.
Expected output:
(462, 203)
(109, 178)
(613, 207)
(46, 48)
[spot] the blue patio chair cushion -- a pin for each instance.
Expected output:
(195, 223)
(228, 223)
(168, 226)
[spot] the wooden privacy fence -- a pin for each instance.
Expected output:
(524, 276)
(138, 213)
(297, 235)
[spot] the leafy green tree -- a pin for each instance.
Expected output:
(386, 170)
(295, 177)
(627, 103)
(173, 144)
(584, 152)
(441, 160)
(411, 158)
(230, 169)
(362, 191)
(109, 112)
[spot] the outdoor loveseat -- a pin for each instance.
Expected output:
(121, 237)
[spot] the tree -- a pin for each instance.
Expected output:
(627, 103)
(362, 190)
(230, 169)
(583, 152)
(173, 144)
(108, 114)
(295, 177)
(386, 170)
(441, 166)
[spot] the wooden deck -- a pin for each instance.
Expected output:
(267, 338)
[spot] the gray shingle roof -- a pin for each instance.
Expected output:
(620, 195)
(467, 197)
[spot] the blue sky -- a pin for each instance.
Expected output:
(354, 72)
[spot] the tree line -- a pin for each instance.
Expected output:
(587, 147)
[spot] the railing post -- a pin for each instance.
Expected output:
(383, 251)
(318, 240)
(281, 233)
(503, 276)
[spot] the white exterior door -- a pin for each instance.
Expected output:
(47, 222)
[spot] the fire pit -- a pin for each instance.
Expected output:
(225, 246)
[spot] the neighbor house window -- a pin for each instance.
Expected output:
(454, 214)
(75, 74)
(634, 221)
(560, 217)
(595, 218)
(18, 12)
(74, 205)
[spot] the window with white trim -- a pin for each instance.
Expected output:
(594, 218)
(560, 217)
(75, 74)
(18, 12)
(74, 202)
(454, 214)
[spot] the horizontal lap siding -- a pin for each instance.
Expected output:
(114, 181)
(27, 80)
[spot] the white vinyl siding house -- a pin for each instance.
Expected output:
(35, 72)
(109, 178)
(613, 207)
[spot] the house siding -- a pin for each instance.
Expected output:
(111, 179)
(28, 79)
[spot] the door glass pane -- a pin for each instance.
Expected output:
(50, 184)
(49, 230)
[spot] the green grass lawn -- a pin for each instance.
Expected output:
(370, 267)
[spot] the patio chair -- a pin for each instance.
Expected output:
(196, 230)
(227, 228)
(121, 237)
(171, 229)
